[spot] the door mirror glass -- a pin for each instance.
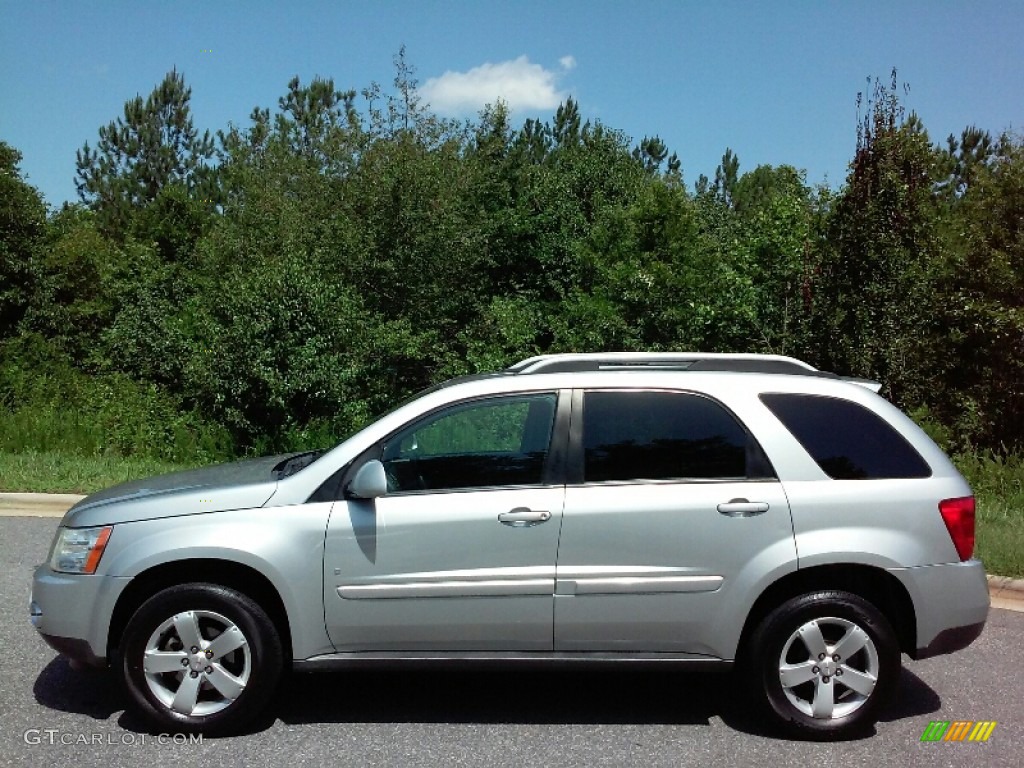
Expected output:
(370, 481)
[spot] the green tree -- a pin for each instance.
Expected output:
(965, 157)
(780, 222)
(154, 145)
(346, 251)
(651, 153)
(310, 115)
(727, 176)
(76, 297)
(981, 304)
(22, 226)
(566, 129)
(532, 142)
(873, 294)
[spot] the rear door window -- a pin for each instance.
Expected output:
(640, 435)
(847, 440)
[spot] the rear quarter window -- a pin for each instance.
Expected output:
(847, 440)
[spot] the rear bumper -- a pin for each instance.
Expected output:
(951, 602)
(950, 640)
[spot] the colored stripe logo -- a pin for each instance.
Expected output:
(958, 730)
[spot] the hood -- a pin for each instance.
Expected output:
(238, 485)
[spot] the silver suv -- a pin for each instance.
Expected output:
(685, 508)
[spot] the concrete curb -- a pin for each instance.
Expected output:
(1000, 584)
(1005, 592)
(37, 504)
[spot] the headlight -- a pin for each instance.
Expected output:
(78, 550)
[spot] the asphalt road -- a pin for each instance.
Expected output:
(51, 715)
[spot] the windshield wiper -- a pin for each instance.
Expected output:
(293, 464)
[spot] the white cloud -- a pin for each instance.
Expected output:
(519, 83)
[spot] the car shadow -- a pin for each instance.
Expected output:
(95, 693)
(914, 698)
(635, 694)
(503, 695)
(617, 694)
(91, 692)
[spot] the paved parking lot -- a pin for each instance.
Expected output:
(52, 715)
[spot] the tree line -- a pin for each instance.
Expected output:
(278, 283)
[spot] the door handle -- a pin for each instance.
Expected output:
(743, 508)
(520, 517)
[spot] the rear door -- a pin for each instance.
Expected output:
(673, 520)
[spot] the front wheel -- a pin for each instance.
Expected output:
(200, 658)
(826, 664)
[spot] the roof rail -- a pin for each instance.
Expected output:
(677, 361)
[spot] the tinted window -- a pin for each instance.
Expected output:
(848, 441)
(660, 436)
(499, 441)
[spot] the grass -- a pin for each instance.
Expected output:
(58, 472)
(998, 483)
(103, 416)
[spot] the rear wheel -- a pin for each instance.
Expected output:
(200, 658)
(826, 664)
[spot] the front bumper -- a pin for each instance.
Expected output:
(72, 612)
(74, 649)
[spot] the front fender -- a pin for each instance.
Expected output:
(285, 544)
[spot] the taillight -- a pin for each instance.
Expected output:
(958, 515)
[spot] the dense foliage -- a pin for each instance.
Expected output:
(275, 286)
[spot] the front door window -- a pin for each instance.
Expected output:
(498, 442)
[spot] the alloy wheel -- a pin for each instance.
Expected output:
(828, 668)
(197, 663)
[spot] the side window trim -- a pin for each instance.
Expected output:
(556, 462)
(575, 463)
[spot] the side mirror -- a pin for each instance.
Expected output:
(370, 481)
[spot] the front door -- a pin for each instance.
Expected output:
(460, 553)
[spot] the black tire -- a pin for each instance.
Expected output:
(230, 689)
(824, 707)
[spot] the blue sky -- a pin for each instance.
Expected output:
(775, 81)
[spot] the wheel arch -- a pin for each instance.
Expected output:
(877, 586)
(226, 573)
